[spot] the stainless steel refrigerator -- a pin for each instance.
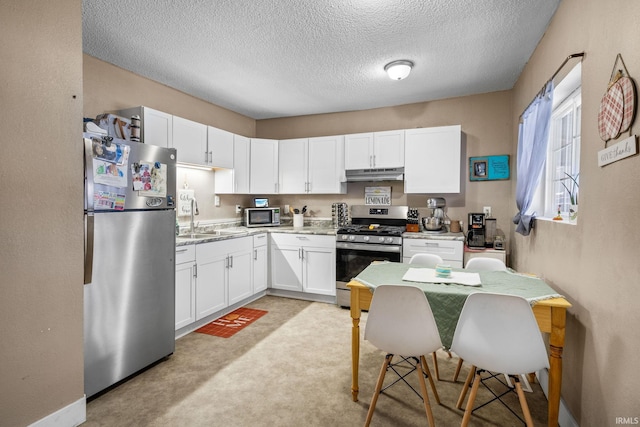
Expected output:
(129, 259)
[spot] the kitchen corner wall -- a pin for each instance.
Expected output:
(108, 88)
(595, 263)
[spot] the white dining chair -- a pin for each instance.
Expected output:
(401, 323)
(429, 260)
(498, 333)
(426, 260)
(480, 264)
(485, 264)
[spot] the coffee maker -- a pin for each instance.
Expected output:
(476, 230)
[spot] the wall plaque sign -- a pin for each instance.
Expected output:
(623, 149)
(488, 168)
(377, 196)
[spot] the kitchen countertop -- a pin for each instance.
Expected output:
(235, 232)
(434, 236)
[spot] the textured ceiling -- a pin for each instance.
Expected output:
(280, 58)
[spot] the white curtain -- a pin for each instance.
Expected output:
(533, 136)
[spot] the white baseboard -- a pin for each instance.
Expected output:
(565, 419)
(73, 414)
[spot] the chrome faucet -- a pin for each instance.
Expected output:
(194, 211)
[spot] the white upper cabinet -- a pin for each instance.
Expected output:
(264, 166)
(326, 165)
(312, 165)
(358, 151)
(236, 179)
(190, 141)
(433, 163)
(293, 164)
(220, 147)
(156, 126)
(374, 150)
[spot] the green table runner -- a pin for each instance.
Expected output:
(446, 300)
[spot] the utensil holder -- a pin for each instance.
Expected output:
(298, 220)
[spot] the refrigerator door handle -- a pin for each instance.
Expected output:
(88, 247)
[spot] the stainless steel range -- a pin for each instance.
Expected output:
(375, 234)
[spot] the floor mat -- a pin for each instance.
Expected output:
(227, 325)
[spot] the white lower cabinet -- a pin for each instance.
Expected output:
(260, 263)
(211, 273)
(303, 263)
(223, 274)
(451, 251)
(239, 270)
(185, 285)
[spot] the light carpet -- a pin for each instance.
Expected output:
(290, 368)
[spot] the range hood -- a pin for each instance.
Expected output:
(383, 174)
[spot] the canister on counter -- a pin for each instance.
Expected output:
(135, 128)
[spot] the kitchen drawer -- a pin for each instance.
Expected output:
(449, 250)
(260, 240)
(304, 240)
(185, 253)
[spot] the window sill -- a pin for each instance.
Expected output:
(565, 220)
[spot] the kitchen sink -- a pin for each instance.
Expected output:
(197, 235)
(224, 231)
(207, 235)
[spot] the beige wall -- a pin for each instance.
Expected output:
(41, 256)
(108, 88)
(486, 122)
(477, 114)
(595, 264)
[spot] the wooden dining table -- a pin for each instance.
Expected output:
(550, 313)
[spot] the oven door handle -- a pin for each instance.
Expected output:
(369, 247)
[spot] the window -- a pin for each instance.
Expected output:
(563, 150)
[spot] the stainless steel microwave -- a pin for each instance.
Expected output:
(262, 217)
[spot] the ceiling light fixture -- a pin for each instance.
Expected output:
(398, 70)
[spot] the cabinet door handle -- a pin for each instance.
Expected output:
(210, 156)
(195, 270)
(302, 251)
(255, 254)
(230, 261)
(179, 251)
(374, 160)
(206, 157)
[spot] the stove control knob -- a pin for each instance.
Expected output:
(344, 237)
(365, 238)
(389, 240)
(381, 239)
(352, 237)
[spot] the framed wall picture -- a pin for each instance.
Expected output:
(488, 168)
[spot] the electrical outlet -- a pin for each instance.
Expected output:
(487, 211)
(238, 209)
(216, 200)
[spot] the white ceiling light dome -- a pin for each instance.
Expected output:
(398, 70)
